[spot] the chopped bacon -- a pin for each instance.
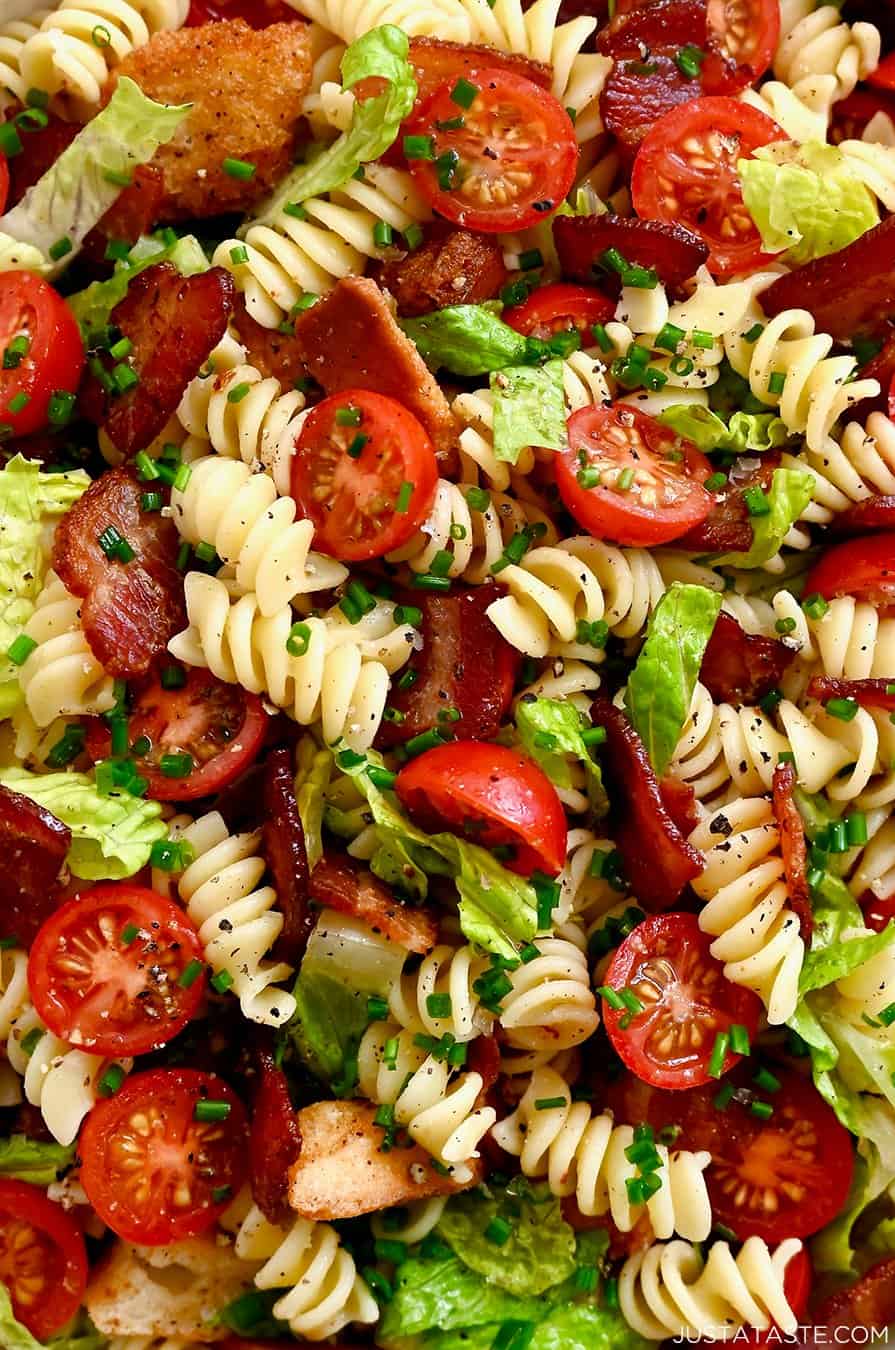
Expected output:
(338, 883)
(130, 611)
(659, 862)
(672, 251)
(881, 368)
(463, 664)
(275, 1142)
(484, 1059)
(287, 857)
(33, 845)
(868, 693)
(173, 322)
(451, 267)
(870, 1302)
(866, 517)
(350, 340)
(793, 846)
(256, 13)
(728, 526)
(268, 350)
(679, 800)
(847, 292)
(740, 667)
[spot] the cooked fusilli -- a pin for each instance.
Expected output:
(13, 36)
(350, 20)
(859, 465)
(409, 1224)
(551, 1005)
(61, 676)
(816, 43)
(446, 972)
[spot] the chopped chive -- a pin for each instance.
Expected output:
(612, 997)
(776, 382)
(757, 501)
(763, 1110)
(625, 480)
(689, 60)
(715, 482)
(588, 477)
(718, 1055)
(377, 1008)
(815, 606)
(670, 337)
(10, 140)
(426, 581)
(402, 505)
(211, 1110)
(20, 649)
(463, 93)
(178, 765)
(222, 981)
(438, 1005)
(765, 1080)
(357, 444)
(61, 248)
(383, 234)
(299, 639)
(739, 1039)
(173, 676)
(111, 1081)
(498, 1231)
(413, 236)
(419, 147)
(856, 828)
(15, 352)
(754, 333)
(67, 748)
(238, 393)
(191, 974)
(843, 709)
(238, 168)
(784, 626)
(723, 1098)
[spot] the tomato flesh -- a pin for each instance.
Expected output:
(686, 1002)
(560, 309)
(649, 485)
(365, 473)
(491, 795)
(686, 173)
(107, 970)
(863, 568)
(503, 162)
(742, 39)
(155, 1169)
(43, 1260)
(35, 314)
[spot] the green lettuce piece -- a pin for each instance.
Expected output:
(833, 956)
(836, 1249)
(315, 768)
(791, 491)
(29, 500)
(583, 1326)
(383, 53)
(744, 432)
(112, 836)
(805, 200)
(16, 256)
(540, 1251)
(660, 687)
(529, 409)
(551, 731)
(93, 306)
(251, 1315)
(78, 1335)
(77, 190)
(330, 1018)
(34, 1160)
(466, 340)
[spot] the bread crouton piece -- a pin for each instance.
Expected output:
(452, 267)
(350, 340)
(246, 88)
(342, 1172)
(166, 1291)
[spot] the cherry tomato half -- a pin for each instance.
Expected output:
(742, 40)
(687, 1001)
(219, 726)
(163, 1158)
(42, 350)
(491, 795)
(43, 1260)
(365, 473)
(503, 162)
(627, 477)
(108, 970)
(884, 75)
(559, 309)
(686, 173)
(852, 115)
(864, 568)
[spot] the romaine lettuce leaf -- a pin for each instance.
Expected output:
(804, 199)
(382, 53)
(660, 687)
(832, 954)
(84, 181)
(466, 340)
(744, 431)
(529, 409)
(314, 771)
(835, 1249)
(551, 731)
(112, 836)
(791, 491)
(540, 1251)
(93, 306)
(78, 1335)
(34, 1160)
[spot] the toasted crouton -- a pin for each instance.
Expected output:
(246, 88)
(342, 1171)
(166, 1291)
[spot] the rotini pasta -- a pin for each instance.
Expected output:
(13, 35)
(815, 43)
(551, 1005)
(437, 18)
(445, 973)
(61, 677)
(853, 640)
(857, 466)
(410, 1224)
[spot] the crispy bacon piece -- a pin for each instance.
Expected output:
(287, 857)
(452, 267)
(350, 340)
(882, 368)
(484, 1058)
(338, 883)
(33, 845)
(463, 664)
(866, 517)
(275, 1141)
(728, 527)
(740, 667)
(870, 1302)
(679, 800)
(848, 292)
(271, 352)
(674, 252)
(659, 862)
(793, 846)
(868, 693)
(173, 322)
(130, 611)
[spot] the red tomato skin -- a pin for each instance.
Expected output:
(725, 71)
(419, 467)
(256, 13)
(863, 568)
(884, 75)
(491, 783)
(552, 309)
(131, 905)
(174, 1092)
(878, 914)
(55, 358)
(21, 1201)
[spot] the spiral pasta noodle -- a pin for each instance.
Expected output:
(324, 1291)
(832, 755)
(861, 464)
(350, 19)
(584, 1155)
(870, 988)
(236, 917)
(853, 640)
(584, 893)
(445, 973)
(13, 36)
(61, 676)
(551, 1005)
(747, 908)
(410, 1224)
(668, 1290)
(816, 44)
(439, 1113)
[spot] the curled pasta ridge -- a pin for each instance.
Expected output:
(61, 676)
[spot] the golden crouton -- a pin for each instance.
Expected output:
(246, 88)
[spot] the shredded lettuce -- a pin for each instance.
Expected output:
(93, 306)
(112, 836)
(660, 687)
(34, 1160)
(466, 340)
(540, 1251)
(315, 768)
(743, 432)
(836, 1248)
(383, 54)
(18, 257)
(81, 185)
(29, 501)
(551, 732)
(529, 409)
(804, 199)
(791, 491)
(833, 954)
(79, 1335)
(251, 1315)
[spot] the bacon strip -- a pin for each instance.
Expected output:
(672, 251)
(130, 610)
(659, 862)
(287, 857)
(33, 845)
(338, 883)
(793, 846)
(866, 517)
(451, 267)
(275, 1140)
(870, 1302)
(740, 667)
(728, 526)
(868, 693)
